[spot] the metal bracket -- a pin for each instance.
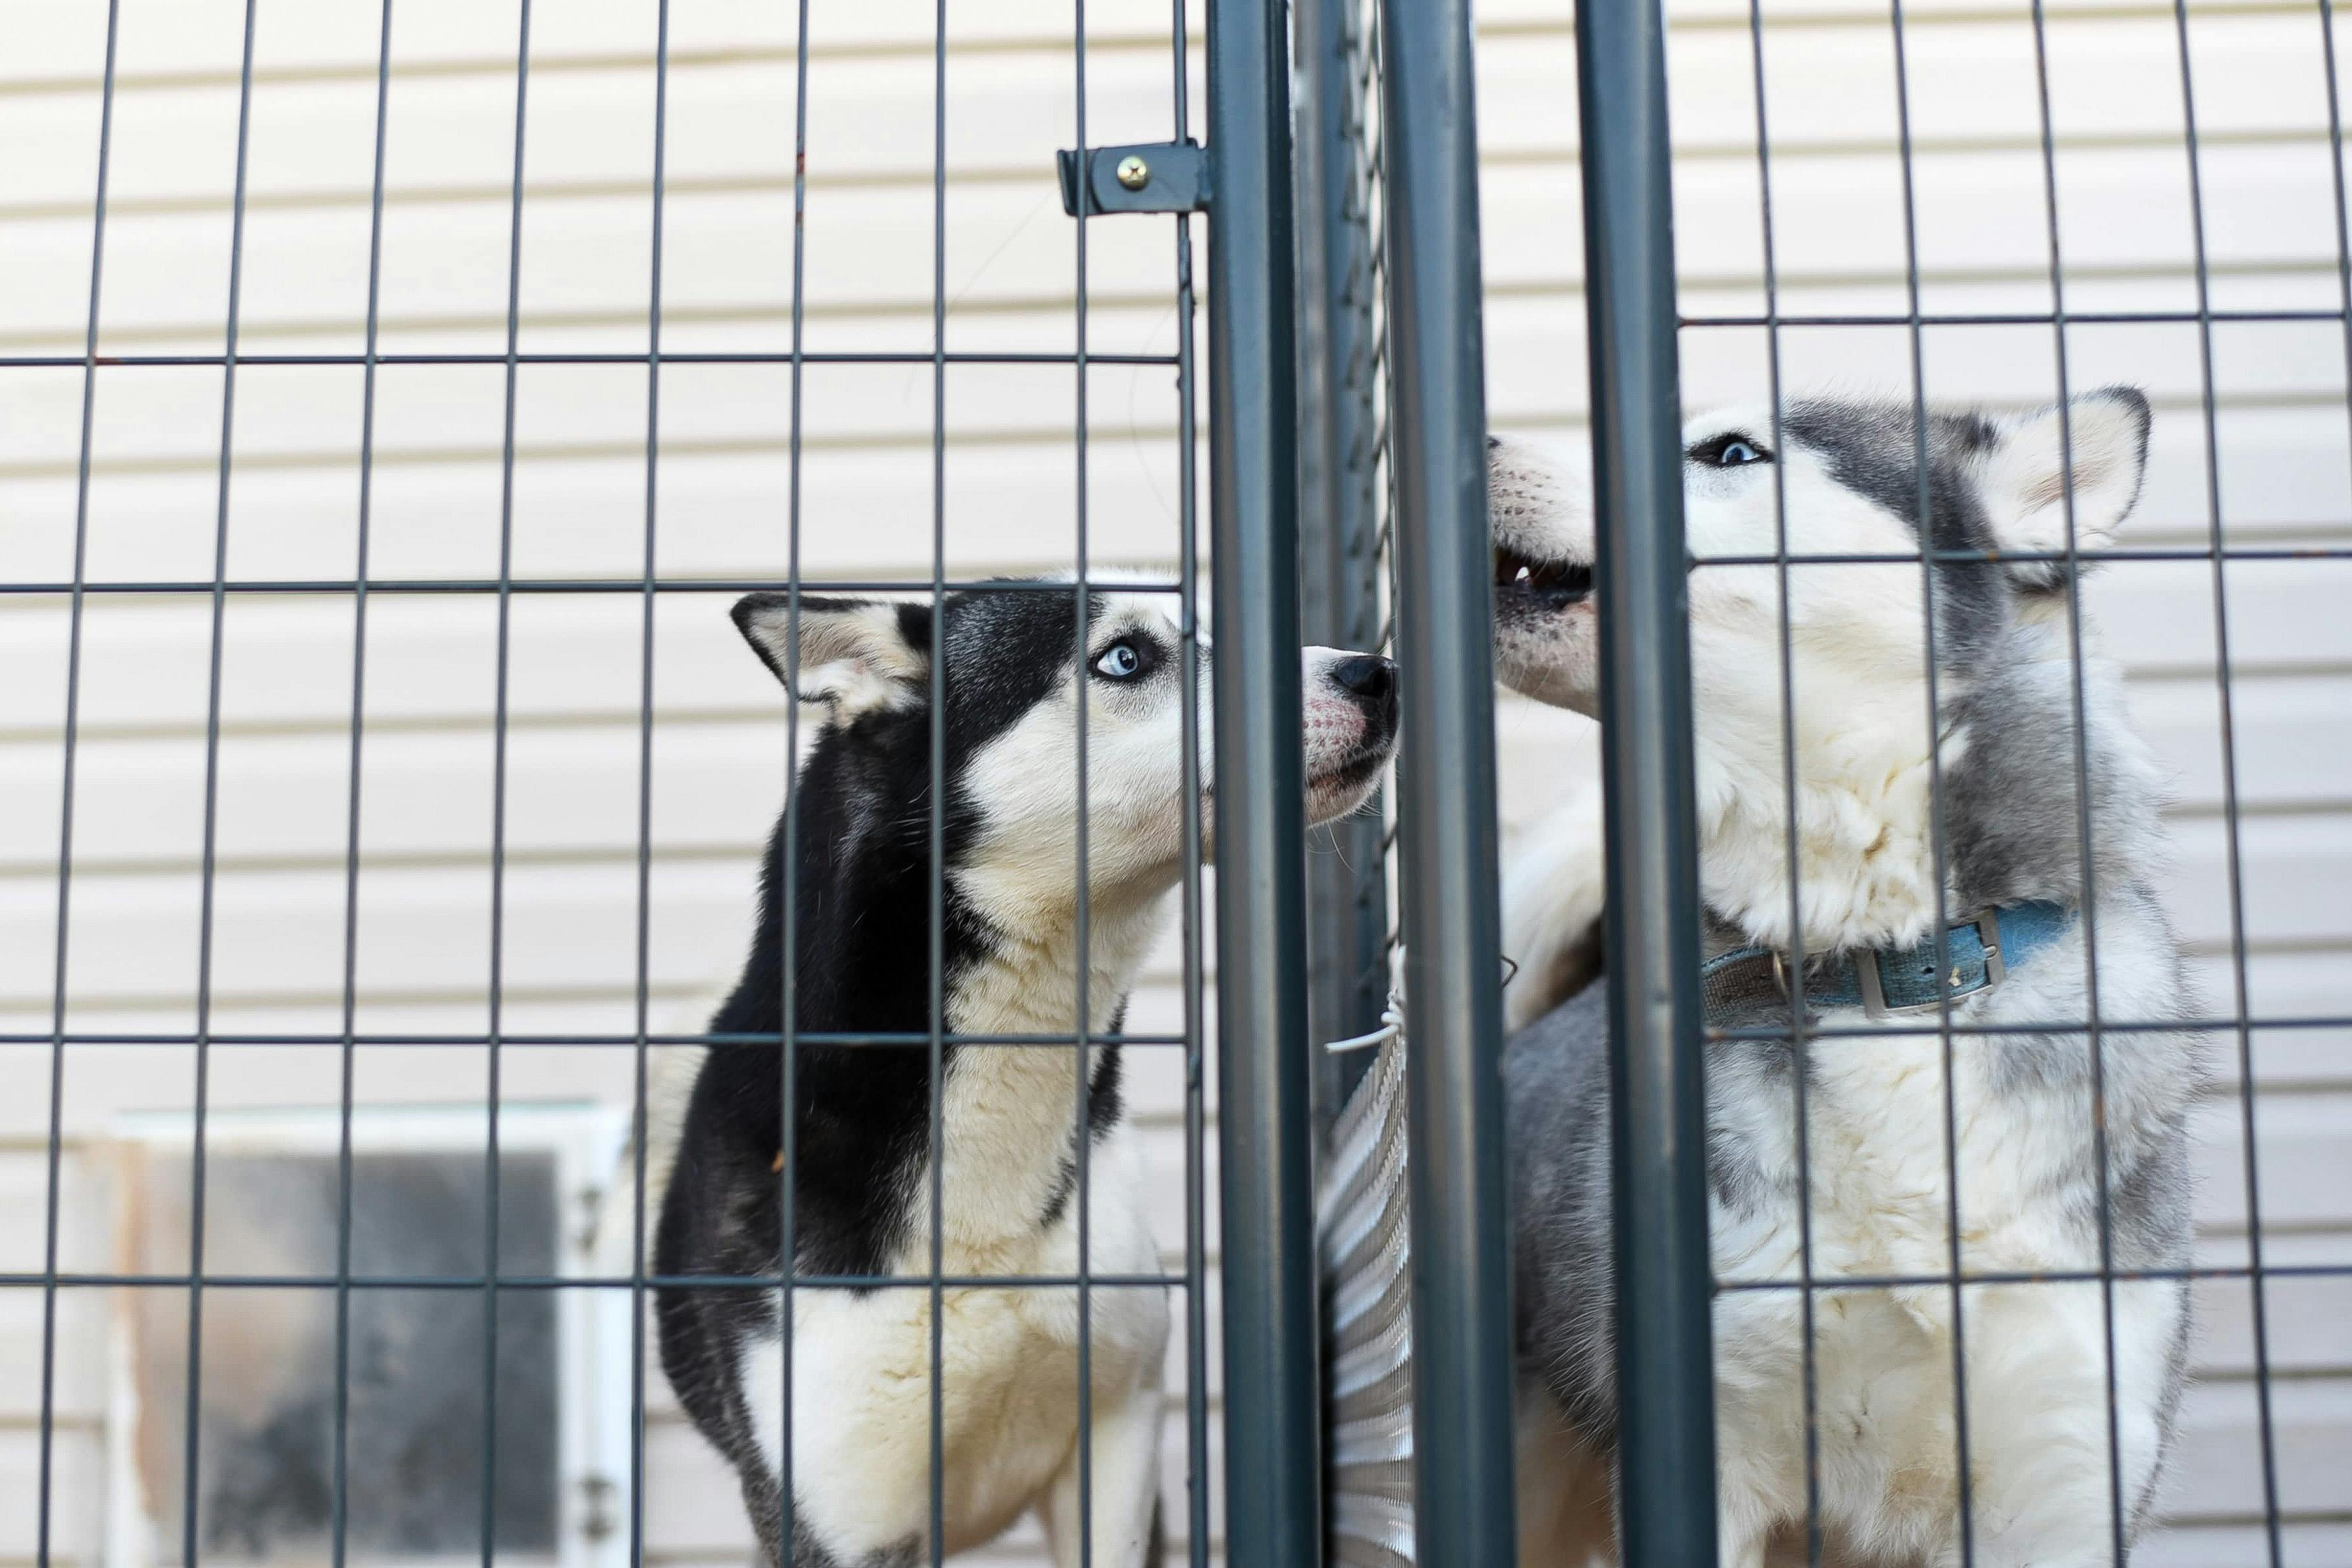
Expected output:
(1157, 177)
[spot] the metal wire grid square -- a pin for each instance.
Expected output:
(495, 1281)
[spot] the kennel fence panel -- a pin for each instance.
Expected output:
(2268, 149)
(574, 707)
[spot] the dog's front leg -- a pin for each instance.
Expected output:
(1741, 1532)
(1123, 1492)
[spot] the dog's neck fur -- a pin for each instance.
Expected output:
(1866, 832)
(1010, 966)
(1011, 1113)
(1028, 981)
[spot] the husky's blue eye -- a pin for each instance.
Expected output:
(1729, 450)
(1120, 662)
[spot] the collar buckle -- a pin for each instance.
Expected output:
(1874, 984)
(1989, 937)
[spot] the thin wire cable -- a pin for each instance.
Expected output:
(487, 585)
(2021, 557)
(2344, 287)
(2228, 759)
(788, 1174)
(56, 1174)
(496, 976)
(645, 794)
(2094, 1042)
(2055, 1277)
(34, 1279)
(803, 1036)
(2335, 178)
(1816, 1031)
(1808, 1352)
(1937, 846)
(309, 588)
(339, 1482)
(859, 1282)
(2021, 319)
(938, 889)
(587, 357)
(192, 1437)
(1188, 544)
(1082, 1150)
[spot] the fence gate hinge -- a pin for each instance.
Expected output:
(1158, 177)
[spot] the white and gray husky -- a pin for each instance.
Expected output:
(1009, 1144)
(2025, 1114)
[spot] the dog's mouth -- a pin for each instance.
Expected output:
(1346, 780)
(1349, 771)
(1551, 585)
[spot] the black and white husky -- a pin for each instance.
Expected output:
(1010, 1143)
(2041, 1487)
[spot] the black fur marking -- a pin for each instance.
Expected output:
(1873, 450)
(1103, 1106)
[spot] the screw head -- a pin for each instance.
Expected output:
(1134, 173)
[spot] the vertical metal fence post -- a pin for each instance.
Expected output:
(1445, 780)
(1667, 1422)
(1272, 1411)
(1338, 590)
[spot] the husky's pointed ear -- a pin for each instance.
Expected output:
(2025, 475)
(856, 655)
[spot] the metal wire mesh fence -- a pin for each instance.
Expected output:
(376, 1322)
(1998, 211)
(395, 398)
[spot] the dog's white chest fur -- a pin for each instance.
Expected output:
(2035, 1350)
(1008, 1360)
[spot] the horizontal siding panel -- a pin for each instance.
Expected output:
(2235, 1541)
(2218, 1467)
(76, 1486)
(2302, 1319)
(78, 1394)
(2305, 1166)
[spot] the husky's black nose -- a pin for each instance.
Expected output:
(1372, 681)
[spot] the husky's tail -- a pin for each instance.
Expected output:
(1553, 892)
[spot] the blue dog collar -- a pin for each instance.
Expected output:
(1971, 957)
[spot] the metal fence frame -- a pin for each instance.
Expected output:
(1664, 1289)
